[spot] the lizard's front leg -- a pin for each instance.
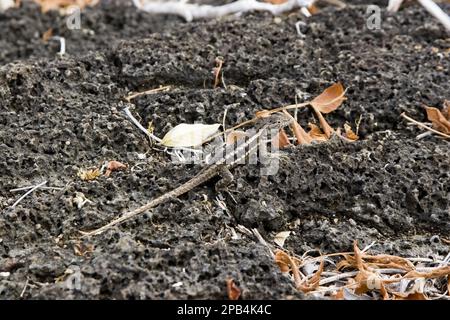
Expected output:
(226, 179)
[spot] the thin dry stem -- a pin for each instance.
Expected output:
(420, 124)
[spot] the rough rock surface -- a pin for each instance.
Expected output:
(60, 114)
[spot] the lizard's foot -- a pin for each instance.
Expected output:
(227, 178)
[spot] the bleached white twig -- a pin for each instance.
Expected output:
(6, 4)
(191, 11)
(30, 187)
(429, 5)
(436, 12)
(139, 125)
(62, 42)
(150, 135)
(27, 193)
(394, 5)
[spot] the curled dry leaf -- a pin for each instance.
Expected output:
(440, 122)
(389, 261)
(323, 123)
(313, 282)
(217, 70)
(47, 5)
(316, 133)
(287, 263)
(410, 296)
(330, 99)
(281, 237)
(281, 140)
(448, 285)
(300, 134)
(87, 175)
(114, 166)
(233, 290)
(283, 260)
(435, 273)
(349, 134)
(367, 280)
(189, 135)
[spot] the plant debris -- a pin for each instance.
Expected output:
(88, 175)
(233, 290)
(189, 135)
(381, 276)
(440, 120)
(61, 5)
(114, 166)
(281, 237)
(82, 249)
(217, 71)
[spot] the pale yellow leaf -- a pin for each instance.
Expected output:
(189, 135)
(281, 237)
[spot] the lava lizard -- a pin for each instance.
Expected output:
(219, 167)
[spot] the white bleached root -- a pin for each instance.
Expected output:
(191, 11)
(429, 5)
(6, 4)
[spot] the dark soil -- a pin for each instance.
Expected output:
(60, 114)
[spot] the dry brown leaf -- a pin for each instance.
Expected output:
(88, 175)
(47, 35)
(47, 5)
(327, 129)
(330, 99)
(312, 283)
(448, 285)
(114, 166)
(301, 135)
(283, 261)
(233, 290)
(339, 295)
(286, 263)
(410, 296)
(219, 63)
(313, 9)
(367, 280)
(435, 273)
(389, 261)
(316, 133)
(281, 140)
(347, 262)
(349, 134)
(439, 121)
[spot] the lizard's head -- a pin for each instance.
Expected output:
(277, 121)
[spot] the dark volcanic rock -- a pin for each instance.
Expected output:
(60, 114)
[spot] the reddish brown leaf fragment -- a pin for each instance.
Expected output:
(114, 166)
(233, 290)
(330, 99)
(439, 121)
